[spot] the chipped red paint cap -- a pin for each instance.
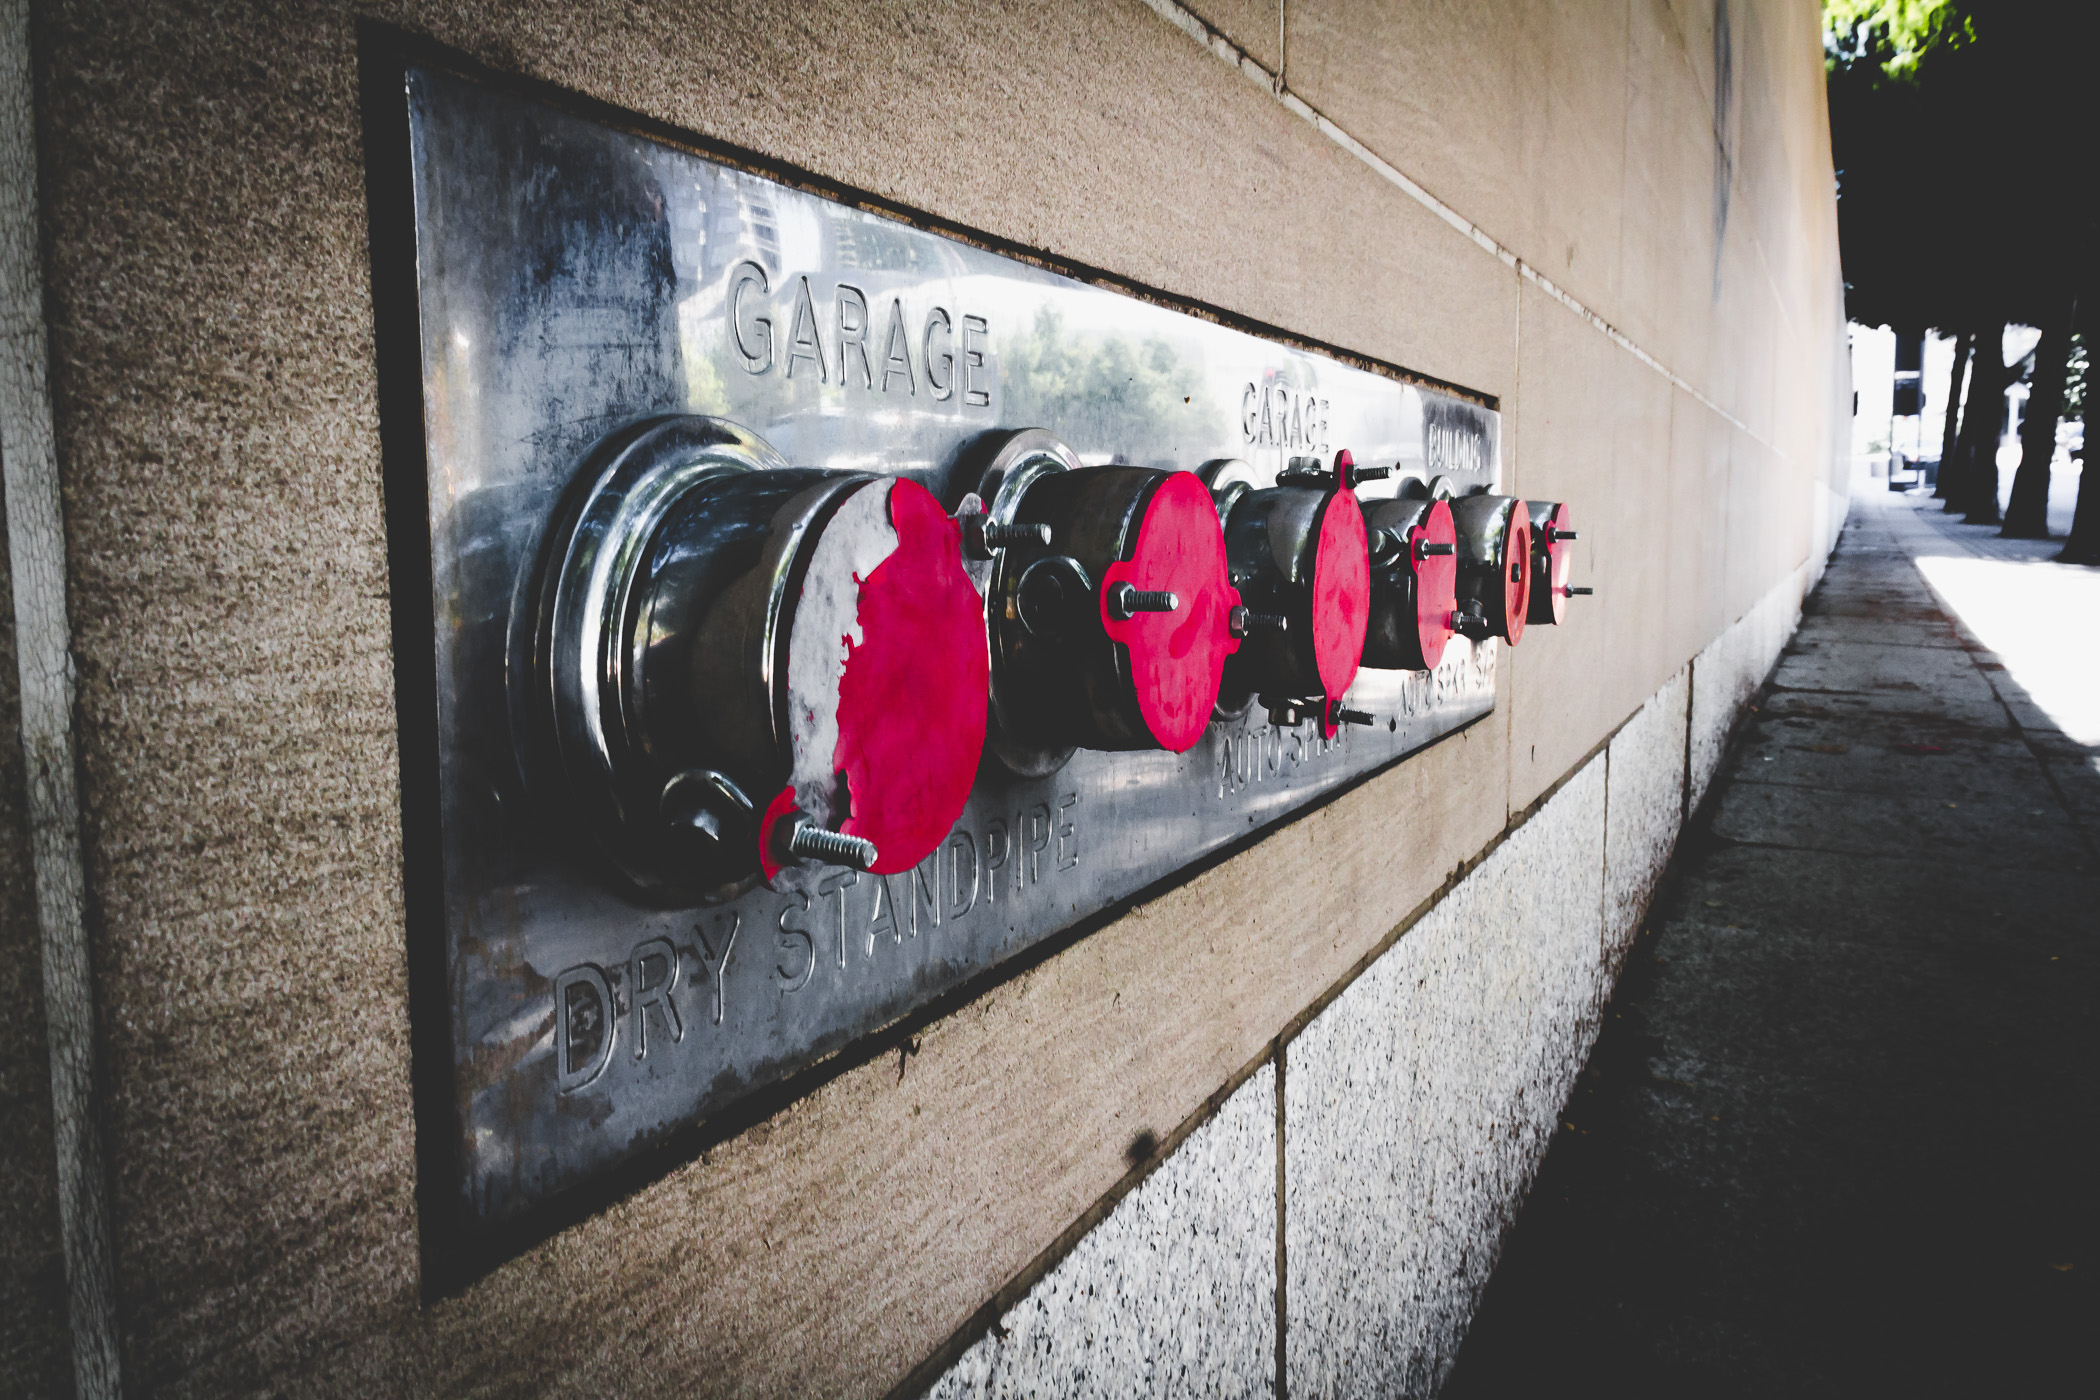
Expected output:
(888, 679)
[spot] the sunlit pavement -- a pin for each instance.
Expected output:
(1837, 1134)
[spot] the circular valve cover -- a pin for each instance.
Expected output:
(1552, 559)
(1414, 598)
(713, 627)
(1341, 595)
(1177, 659)
(1301, 558)
(1494, 560)
(1089, 650)
(1516, 577)
(887, 677)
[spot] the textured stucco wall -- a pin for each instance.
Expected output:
(35, 1354)
(212, 371)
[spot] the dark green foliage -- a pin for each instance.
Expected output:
(1961, 135)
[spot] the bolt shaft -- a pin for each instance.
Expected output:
(831, 847)
(1242, 620)
(1126, 600)
(1006, 536)
(1429, 548)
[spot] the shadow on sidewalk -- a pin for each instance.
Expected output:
(1835, 1136)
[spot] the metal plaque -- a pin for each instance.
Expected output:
(572, 278)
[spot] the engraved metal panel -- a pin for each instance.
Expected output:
(572, 278)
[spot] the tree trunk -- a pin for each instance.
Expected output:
(2027, 514)
(1982, 504)
(1949, 434)
(2084, 545)
(1985, 401)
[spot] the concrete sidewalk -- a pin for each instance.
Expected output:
(1837, 1134)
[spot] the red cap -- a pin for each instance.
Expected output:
(1177, 659)
(1436, 580)
(1341, 600)
(911, 688)
(1516, 575)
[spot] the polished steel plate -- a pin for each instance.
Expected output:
(571, 277)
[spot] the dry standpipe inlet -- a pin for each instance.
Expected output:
(723, 649)
(801, 613)
(740, 666)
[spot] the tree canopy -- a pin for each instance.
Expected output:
(1961, 131)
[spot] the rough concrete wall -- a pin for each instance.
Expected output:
(1417, 1106)
(213, 377)
(1174, 1294)
(1645, 806)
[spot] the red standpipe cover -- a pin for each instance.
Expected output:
(1516, 574)
(1341, 601)
(913, 701)
(914, 686)
(1436, 580)
(1177, 659)
(1560, 558)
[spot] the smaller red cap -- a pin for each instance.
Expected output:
(1341, 601)
(1516, 575)
(1560, 561)
(1177, 659)
(1436, 580)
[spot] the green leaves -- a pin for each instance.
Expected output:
(1893, 35)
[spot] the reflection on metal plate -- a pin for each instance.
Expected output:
(572, 280)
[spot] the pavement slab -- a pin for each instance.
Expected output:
(2001, 835)
(1835, 1136)
(1873, 668)
(1848, 627)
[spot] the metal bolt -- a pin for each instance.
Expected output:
(1554, 534)
(1007, 536)
(1284, 714)
(1126, 600)
(1580, 592)
(809, 841)
(1428, 549)
(1342, 716)
(1347, 473)
(1242, 620)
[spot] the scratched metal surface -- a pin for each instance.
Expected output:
(573, 277)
